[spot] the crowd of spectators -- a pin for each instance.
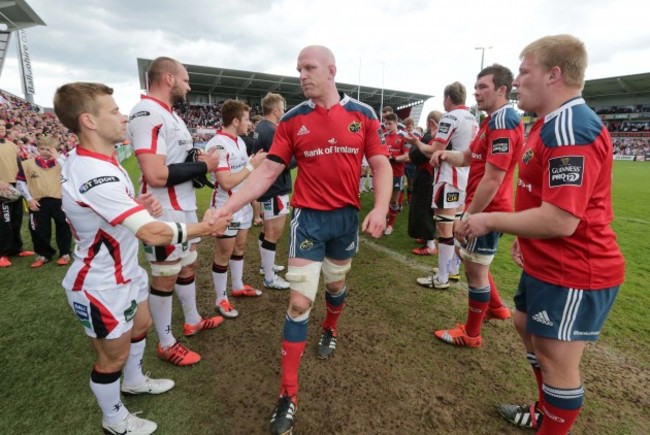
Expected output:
(609, 110)
(631, 146)
(26, 122)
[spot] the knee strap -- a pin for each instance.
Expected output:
(166, 269)
(304, 279)
(334, 272)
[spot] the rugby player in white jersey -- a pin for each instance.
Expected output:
(234, 167)
(105, 286)
(456, 130)
(162, 142)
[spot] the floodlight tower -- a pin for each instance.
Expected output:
(478, 114)
(15, 17)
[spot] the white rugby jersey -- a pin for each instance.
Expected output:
(154, 128)
(456, 129)
(232, 157)
(97, 196)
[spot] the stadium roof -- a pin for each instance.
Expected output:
(18, 15)
(253, 86)
(620, 87)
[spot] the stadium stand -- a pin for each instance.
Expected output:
(27, 122)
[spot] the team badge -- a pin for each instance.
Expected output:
(528, 156)
(306, 245)
(482, 136)
(354, 127)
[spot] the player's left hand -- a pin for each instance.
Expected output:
(374, 223)
(149, 202)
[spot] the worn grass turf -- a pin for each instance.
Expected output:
(390, 375)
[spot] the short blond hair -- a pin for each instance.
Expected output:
(564, 51)
(456, 93)
(271, 101)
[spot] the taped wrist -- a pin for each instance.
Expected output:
(179, 232)
(182, 172)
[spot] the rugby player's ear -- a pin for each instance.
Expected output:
(554, 74)
(332, 70)
(87, 121)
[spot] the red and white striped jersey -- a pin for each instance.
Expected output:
(154, 128)
(456, 129)
(97, 196)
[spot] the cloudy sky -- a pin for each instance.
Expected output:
(412, 45)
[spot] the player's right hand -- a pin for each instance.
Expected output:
(438, 157)
(515, 253)
(34, 205)
(218, 222)
(211, 158)
(257, 158)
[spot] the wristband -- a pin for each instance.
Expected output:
(179, 232)
(249, 167)
(464, 216)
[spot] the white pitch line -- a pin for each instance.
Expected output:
(634, 220)
(400, 258)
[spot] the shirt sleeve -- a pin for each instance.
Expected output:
(570, 174)
(446, 129)
(501, 147)
(282, 148)
(375, 142)
(147, 133)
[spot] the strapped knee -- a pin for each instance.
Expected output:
(166, 269)
(304, 279)
(334, 272)
(441, 219)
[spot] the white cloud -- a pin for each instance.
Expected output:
(417, 46)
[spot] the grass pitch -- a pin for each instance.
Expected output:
(421, 385)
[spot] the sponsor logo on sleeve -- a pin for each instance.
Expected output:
(139, 114)
(501, 146)
(444, 127)
(97, 182)
(566, 171)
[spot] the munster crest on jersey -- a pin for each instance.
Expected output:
(354, 127)
(528, 156)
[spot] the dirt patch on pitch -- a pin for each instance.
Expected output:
(389, 374)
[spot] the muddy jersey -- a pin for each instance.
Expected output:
(397, 146)
(499, 143)
(456, 130)
(154, 128)
(567, 162)
(233, 158)
(97, 195)
(329, 146)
